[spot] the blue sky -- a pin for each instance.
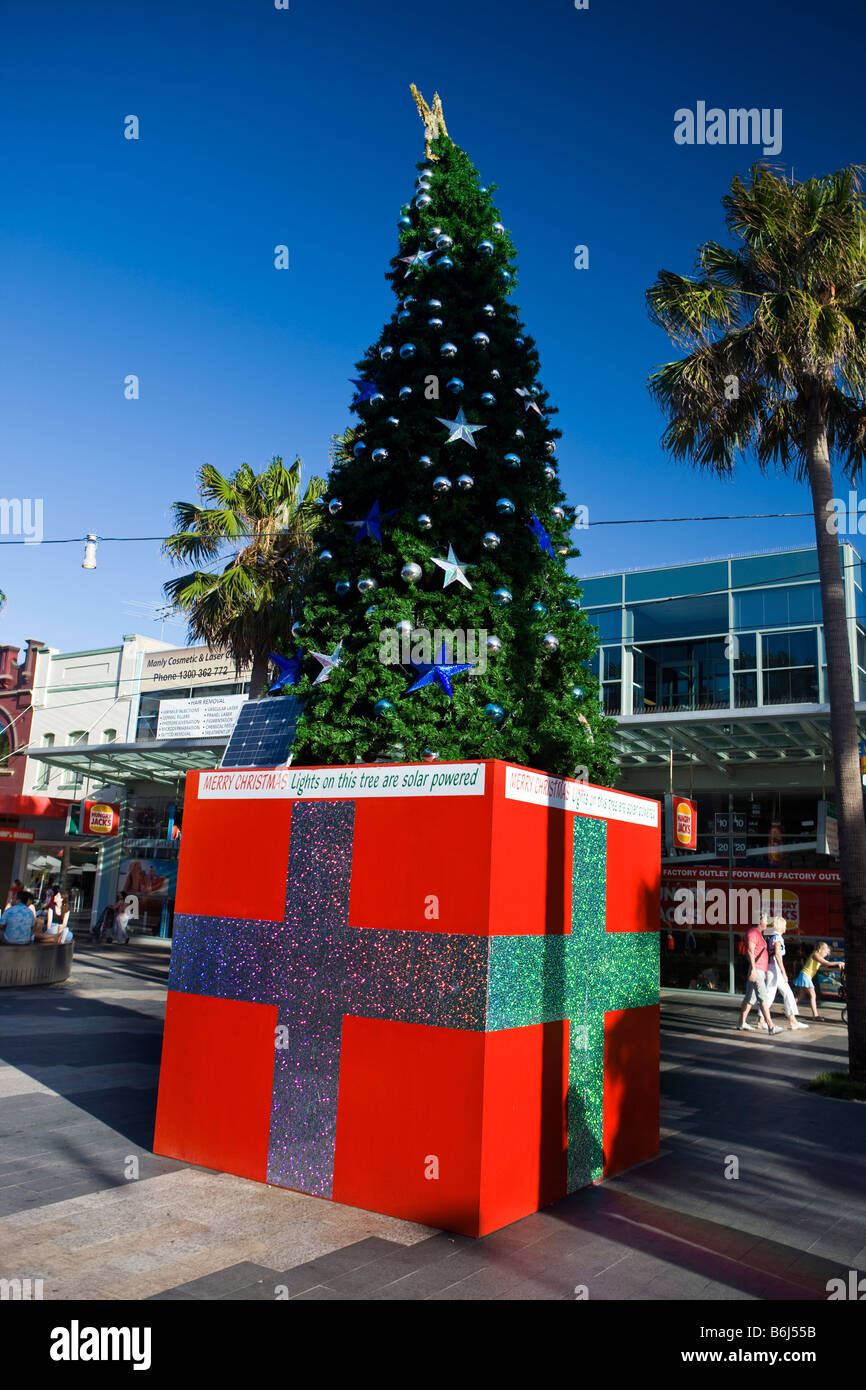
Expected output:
(261, 126)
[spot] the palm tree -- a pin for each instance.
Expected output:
(775, 336)
(249, 605)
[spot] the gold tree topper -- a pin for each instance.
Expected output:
(434, 121)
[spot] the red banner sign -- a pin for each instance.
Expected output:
(18, 836)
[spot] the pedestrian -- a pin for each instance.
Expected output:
(18, 920)
(121, 920)
(56, 932)
(805, 981)
(12, 895)
(777, 977)
(756, 983)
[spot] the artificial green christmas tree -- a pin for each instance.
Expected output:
(446, 516)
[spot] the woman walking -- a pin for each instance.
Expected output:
(777, 977)
(819, 960)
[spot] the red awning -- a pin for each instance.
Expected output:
(53, 806)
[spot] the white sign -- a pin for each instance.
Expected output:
(214, 716)
(179, 666)
(344, 783)
(561, 792)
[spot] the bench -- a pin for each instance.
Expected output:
(34, 965)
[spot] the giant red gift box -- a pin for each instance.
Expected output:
(429, 991)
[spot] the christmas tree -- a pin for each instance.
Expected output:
(440, 611)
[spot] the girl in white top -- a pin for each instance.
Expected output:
(777, 978)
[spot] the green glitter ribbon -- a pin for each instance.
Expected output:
(544, 979)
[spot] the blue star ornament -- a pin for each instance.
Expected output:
(453, 569)
(327, 663)
(541, 536)
(289, 669)
(370, 527)
(420, 258)
(366, 390)
(460, 429)
(439, 673)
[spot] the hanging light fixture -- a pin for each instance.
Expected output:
(89, 561)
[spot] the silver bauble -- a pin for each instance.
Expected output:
(435, 324)
(393, 421)
(405, 392)
(488, 310)
(505, 506)
(377, 398)
(379, 455)
(335, 506)
(501, 597)
(425, 461)
(386, 353)
(498, 228)
(404, 629)
(557, 513)
(494, 375)
(445, 263)
(519, 342)
(407, 350)
(485, 248)
(550, 474)
(488, 398)
(411, 572)
(424, 522)
(366, 585)
(434, 303)
(444, 242)
(430, 755)
(326, 555)
(550, 446)
(550, 642)
(493, 644)
(490, 540)
(423, 200)
(448, 350)
(465, 482)
(441, 484)
(481, 340)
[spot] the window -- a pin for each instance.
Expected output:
(43, 778)
(771, 569)
(608, 622)
(610, 661)
(861, 662)
(744, 651)
(706, 614)
(607, 589)
(109, 735)
(673, 583)
(5, 748)
(74, 779)
(799, 603)
(790, 662)
(681, 675)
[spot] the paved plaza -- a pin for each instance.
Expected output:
(88, 1208)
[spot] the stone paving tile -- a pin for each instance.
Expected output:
(224, 1281)
(318, 1294)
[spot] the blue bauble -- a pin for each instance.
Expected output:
(455, 385)
(577, 692)
(504, 506)
(485, 248)
(359, 448)
(573, 604)
(325, 555)
(425, 461)
(382, 708)
(409, 300)
(539, 610)
(512, 460)
(504, 275)
(342, 587)
(501, 597)
(405, 392)
(481, 340)
(403, 316)
(335, 506)
(495, 713)
(519, 342)
(445, 263)
(404, 221)
(434, 303)
(386, 353)
(488, 398)
(407, 350)
(379, 455)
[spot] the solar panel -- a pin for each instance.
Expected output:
(264, 732)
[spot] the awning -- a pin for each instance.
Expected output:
(724, 739)
(165, 762)
(53, 806)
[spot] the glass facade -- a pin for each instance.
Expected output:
(727, 634)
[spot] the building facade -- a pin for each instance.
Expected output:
(121, 726)
(716, 674)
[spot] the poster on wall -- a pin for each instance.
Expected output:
(152, 882)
